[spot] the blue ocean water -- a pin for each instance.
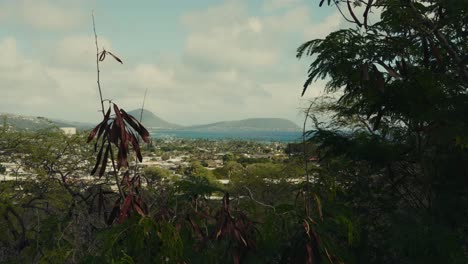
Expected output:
(267, 136)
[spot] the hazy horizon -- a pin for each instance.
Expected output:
(202, 62)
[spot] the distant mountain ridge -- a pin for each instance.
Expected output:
(254, 124)
(152, 121)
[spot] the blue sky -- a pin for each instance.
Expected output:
(201, 61)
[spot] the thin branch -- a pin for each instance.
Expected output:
(356, 20)
(138, 140)
(366, 12)
(143, 105)
(306, 164)
(97, 64)
(342, 14)
(117, 182)
(260, 203)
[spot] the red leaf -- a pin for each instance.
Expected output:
(122, 161)
(136, 146)
(104, 123)
(115, 57)
(125, 180)
(125, 208)
(93, 133)
(98, 159)
(103, 55)
(114, 133)
(310, 253)
(137, 208)
(142, 205)
(104, 161)
(99, 127)
(117, 111)
(136, 125)
(119, 121)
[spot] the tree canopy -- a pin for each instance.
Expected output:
(396, 141)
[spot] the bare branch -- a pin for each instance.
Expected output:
(117, 182)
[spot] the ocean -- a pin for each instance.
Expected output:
(265, 136)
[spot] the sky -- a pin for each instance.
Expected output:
(200, 61)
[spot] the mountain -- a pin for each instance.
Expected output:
(152, 121)
(19, 122)
(251, 124)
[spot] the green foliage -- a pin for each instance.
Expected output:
(156, 174)
(228, 157)
(196, 169)
(390, 185)
(393, 146)
(246, 161)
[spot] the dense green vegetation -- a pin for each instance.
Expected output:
(394, 143)
(56, 198)
(382, 179)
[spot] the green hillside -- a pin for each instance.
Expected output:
(19, 122)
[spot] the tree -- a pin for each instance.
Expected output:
(392, 142)
(266, 181)
(228, 157)
(155, 174)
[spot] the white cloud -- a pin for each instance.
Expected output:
(234, 65)
(43, 14)
(225, 36)
(24, 82)
(78, 50)
(229, 13)
(272, 5)
(320, 30)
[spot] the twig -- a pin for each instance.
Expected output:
(97, 64)
(138, 140)
(306, 168)
(143, 105)
(261, 203)
(342, 14)
(352, 14)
